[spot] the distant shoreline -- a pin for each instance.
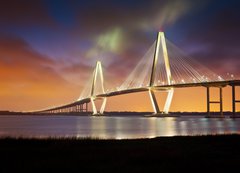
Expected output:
(227, 113)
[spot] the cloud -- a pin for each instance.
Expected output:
(77, 73)
(106, 42)
(106, 47)
(110, 41)
(114, 30)
(28, 79)
(167, 13)
(119, 31)
(99, 17)
(216, 43)
(24, 13)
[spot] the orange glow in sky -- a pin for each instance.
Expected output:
(48, 50)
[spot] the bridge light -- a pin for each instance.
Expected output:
(220, 78)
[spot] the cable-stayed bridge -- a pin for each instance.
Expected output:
(163, 68)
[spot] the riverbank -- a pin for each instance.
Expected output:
(164, 154)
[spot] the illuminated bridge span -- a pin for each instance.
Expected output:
(163, 68)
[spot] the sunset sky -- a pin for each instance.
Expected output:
(48, 48)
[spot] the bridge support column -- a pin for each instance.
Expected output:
(168, 101)
(77, 108)
(97, 73)
(154, 101)
(80, 108)
(208, 102)
(220, 102)
(234, 101)
(161, 41)
(102, 108)
(86, 107)
(94, 109)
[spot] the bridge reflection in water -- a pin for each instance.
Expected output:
(169, 69)
(113, 127)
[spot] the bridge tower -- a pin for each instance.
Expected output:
(97, 74)
(160, 41)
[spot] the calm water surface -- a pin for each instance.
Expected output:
(113, 127)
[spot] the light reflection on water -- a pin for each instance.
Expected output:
(113, 127)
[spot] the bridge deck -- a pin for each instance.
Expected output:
(143, 89)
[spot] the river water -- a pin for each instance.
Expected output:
(106, 127)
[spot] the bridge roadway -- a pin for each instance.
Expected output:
(219, 84)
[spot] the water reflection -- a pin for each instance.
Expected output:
(113, 127)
